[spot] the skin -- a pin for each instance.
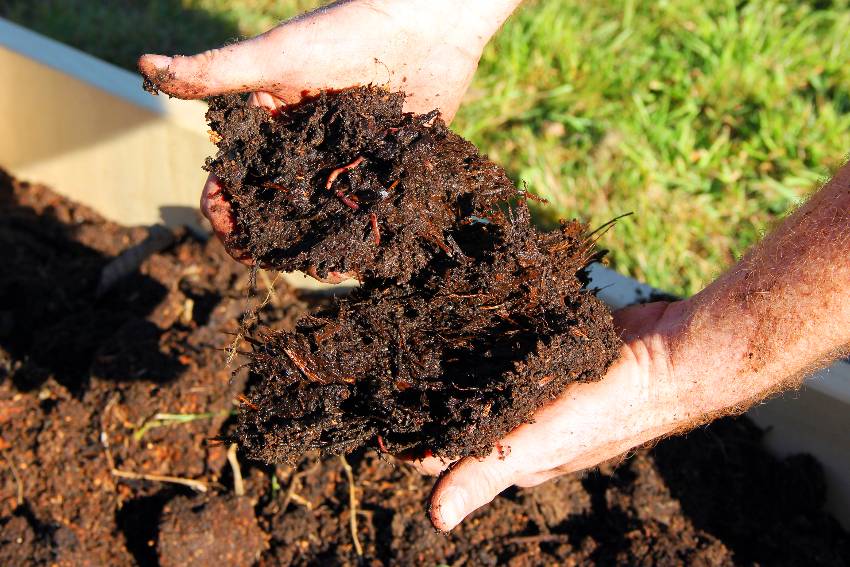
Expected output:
(779, 313)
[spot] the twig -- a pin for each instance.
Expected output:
(542, 538)
(238, 485)
(294, 480)
(104, 437)
(434, 239)
(18, 482)
(352, 499)
(267, 281)
(248, 319)
(193, 484)
(187, 313)
(292, 496)
(302, 366)
(243, 400)
(606, 225)
(290, 491)
(159, 238)
(298, 499)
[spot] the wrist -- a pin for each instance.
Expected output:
(710, 363)
(682, 376)
(469, 24)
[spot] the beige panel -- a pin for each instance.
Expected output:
(122, 158)
(88, 130)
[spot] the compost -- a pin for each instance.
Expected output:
(134, 382)
(467, 318)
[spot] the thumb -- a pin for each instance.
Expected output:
(240, 67)
(468, 485)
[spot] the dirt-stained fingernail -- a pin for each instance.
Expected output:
(450, 507)
(158, 62)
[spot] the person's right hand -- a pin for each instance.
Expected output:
(427, 48)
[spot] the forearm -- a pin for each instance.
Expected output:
(783, 310)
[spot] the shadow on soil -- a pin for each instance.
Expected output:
(139, 519)
(51, 319)
(766, 510)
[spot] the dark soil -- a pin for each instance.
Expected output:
(467, 318)
(712, 498)
(419, 179)
(219, 531)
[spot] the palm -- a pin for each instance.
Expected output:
(346, 45)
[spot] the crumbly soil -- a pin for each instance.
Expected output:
(467, 319)
(419, 179)
(714, 497)
(221, 530)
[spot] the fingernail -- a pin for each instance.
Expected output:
(451, 507)
(159, 62)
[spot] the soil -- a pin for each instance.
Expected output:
(714, 497)
(467, 318)
(219, 531)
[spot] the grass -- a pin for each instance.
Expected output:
(166, 419)
(708, 120)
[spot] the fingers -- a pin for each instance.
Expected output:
(431, 466)
(215, 207)
(532, 453)
(265, 100)
(241, 67)
(470, 484)
(536, 479)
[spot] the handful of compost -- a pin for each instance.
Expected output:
(467, 319)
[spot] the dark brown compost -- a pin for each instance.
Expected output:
(467, 319)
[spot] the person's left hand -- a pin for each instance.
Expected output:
(639, 399)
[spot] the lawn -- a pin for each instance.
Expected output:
(707, 120)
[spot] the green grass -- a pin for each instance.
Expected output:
(119, 31)
(707, 120)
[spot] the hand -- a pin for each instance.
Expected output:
(773, 318)
(427, 48)
(640, 399)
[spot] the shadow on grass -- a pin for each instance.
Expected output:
(119, 31)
